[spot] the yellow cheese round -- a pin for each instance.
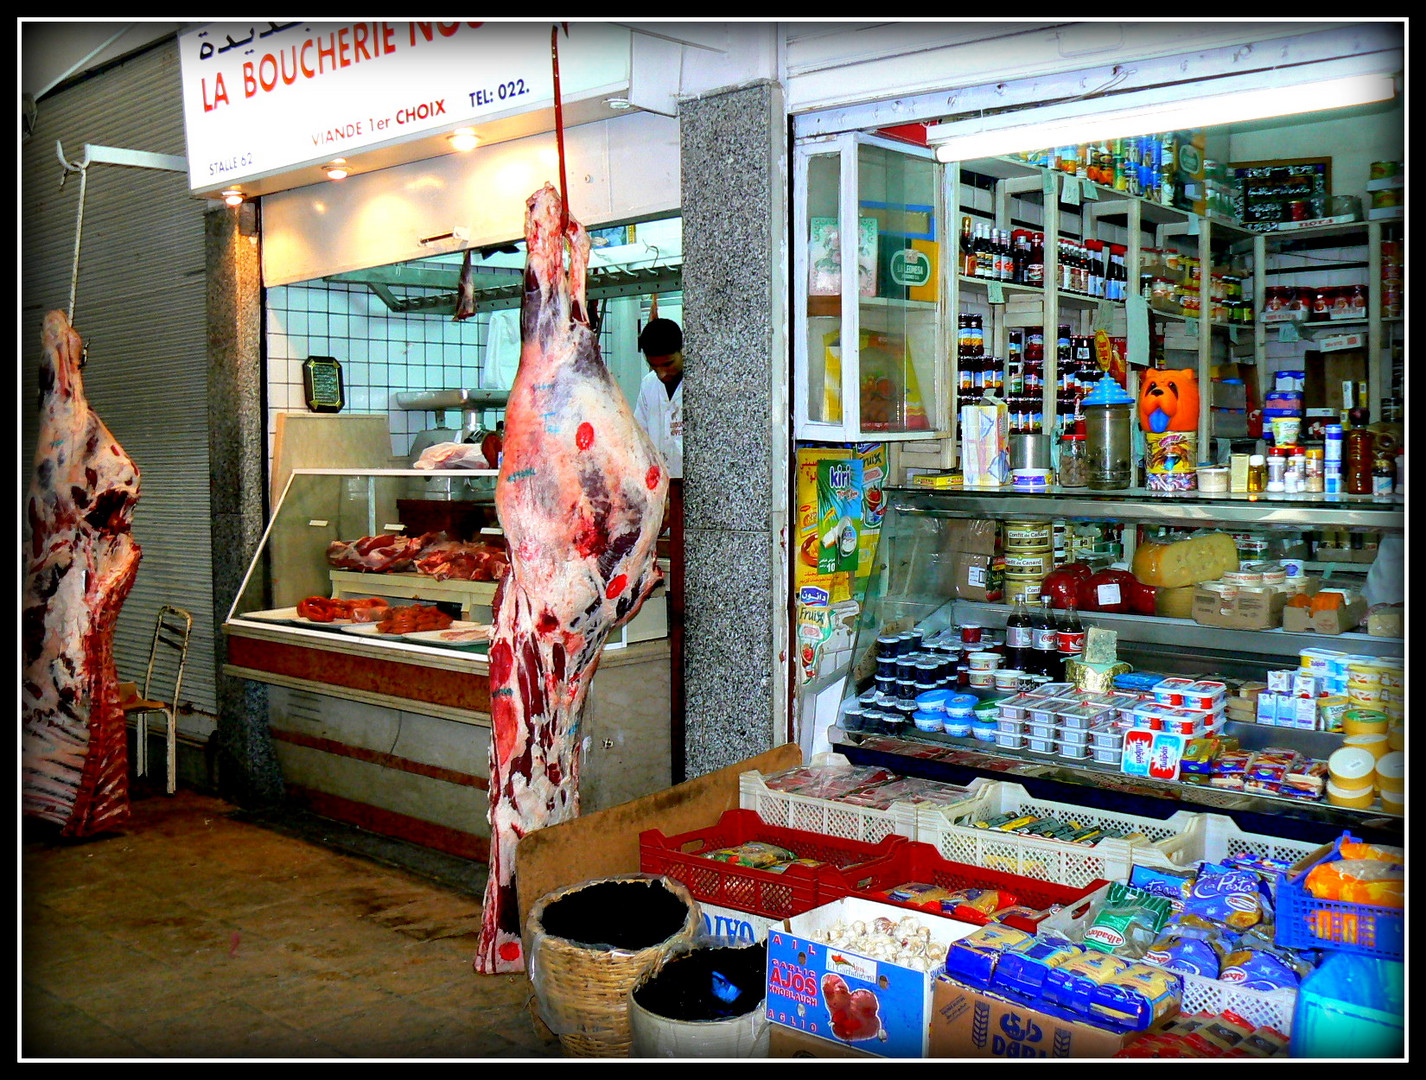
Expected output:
(1393, 802)
(1185, 562)
(1396, 737)
(1175, 603)
(1376, 745)
(1391, 772)
(1354, 798)
(1352, 768)
(1364, 722)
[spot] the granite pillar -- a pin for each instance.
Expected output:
(240, 751)
(736, 442)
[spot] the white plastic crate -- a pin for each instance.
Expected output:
(1260, 1007)
(1043, 859)
(1215, 837)
(832, 818)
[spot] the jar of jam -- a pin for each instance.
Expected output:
(1276, 298)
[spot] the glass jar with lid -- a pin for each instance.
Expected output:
(1108, 411)
(1074, 461)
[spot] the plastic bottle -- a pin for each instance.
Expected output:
(1257, 473)
(1357, 460)
(1019, 637)
(1046, 640)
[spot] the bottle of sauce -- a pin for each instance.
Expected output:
(1019, 637)
(1035, 264)
(967, 248)
(1383, 474)
(1257, 473)
(1357, 460)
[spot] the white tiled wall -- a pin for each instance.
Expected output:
(382, 353)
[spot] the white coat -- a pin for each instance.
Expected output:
(662, 417)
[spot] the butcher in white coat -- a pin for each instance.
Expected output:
(660, 406)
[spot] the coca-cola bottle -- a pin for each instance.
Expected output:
(1045, 637)
(1069, 636)
(1019, 638)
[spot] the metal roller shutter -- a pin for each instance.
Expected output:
(140, 308)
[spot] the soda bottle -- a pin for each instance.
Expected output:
(1046, 642)
(1019, 638)
(1069, 636)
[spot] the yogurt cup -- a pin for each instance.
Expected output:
(982, 680)
(983, 661)
(956, 726)
(1008, 679)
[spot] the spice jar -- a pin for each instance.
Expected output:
(1313, 479)
(1107, 411)
(1074, 461)
(1277, 468)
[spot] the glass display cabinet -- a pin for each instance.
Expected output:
(869, 227)
(941, 569)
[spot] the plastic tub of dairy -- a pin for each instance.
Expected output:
(1107, 755)
(1009, 740)
(1041, 729)
(1077, 736)
(1108, 736)
(1205, 695)
(956, 726)
(1080, 717)
(1013, 708)
(1040, 744)
(1171, 690)
(1006, 725)
(1072, 751)
(1044, 710)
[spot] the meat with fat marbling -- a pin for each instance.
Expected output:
(80, 562)
(580, 499)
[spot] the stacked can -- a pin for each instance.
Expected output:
(1029, 556)
(1391, 278)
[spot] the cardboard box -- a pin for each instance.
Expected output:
(799, 969)
(1353, 555)
(784, 1042)
(1296, 620)
(1387, 622)
(970, 1023)
(724, 922)
(985, 445)
(1249, 610)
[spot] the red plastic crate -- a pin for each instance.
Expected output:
(759, 892)
(914, 861)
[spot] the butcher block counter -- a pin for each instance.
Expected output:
(393, 735)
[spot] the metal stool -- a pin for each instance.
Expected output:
(172, 628)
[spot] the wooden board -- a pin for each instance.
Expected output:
(329, 441)
(606, 843)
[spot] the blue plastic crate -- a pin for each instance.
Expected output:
(1305, 922)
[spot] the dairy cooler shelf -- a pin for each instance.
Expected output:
(1187, 634)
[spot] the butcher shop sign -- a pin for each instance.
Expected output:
(268, 99)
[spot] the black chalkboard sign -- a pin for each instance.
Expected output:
(1272, 192)
(322, 384)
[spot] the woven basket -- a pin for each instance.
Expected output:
(583, 991)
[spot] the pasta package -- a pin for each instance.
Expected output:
(755, 853)
(1140, 996)
(1233, 897)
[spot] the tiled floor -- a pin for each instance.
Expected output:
(200, 932)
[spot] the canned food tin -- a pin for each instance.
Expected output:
(1380, 170)
(1027, 564)
(1026, 587)
(1031, 535)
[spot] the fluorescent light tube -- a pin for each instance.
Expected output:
(1092, 119)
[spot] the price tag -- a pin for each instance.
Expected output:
(1233, 334)
(317, 523)
(1193, 225)
(995, 292)
(1087, 189)
(1069, 191)
(1103, 315)
(1287, 332)
(1190, 327)
(1047, 183)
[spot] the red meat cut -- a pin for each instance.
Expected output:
(580, 499)
(80, 562)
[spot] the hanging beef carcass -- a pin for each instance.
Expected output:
(580, 500)
(80, 561)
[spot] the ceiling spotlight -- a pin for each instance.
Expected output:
(464, 139)
(233, 197)
(336, 169)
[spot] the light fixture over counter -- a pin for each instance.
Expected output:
(1196, 104)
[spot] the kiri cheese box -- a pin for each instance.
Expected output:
(846, 998)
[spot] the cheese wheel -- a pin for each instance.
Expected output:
(1376, 745)
(1391, 772)
(1393, 803)
(1396, 737)
(1185, 562)
(1352, 768)
(1175, 603)
(1364, 722)
(1356, 798)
